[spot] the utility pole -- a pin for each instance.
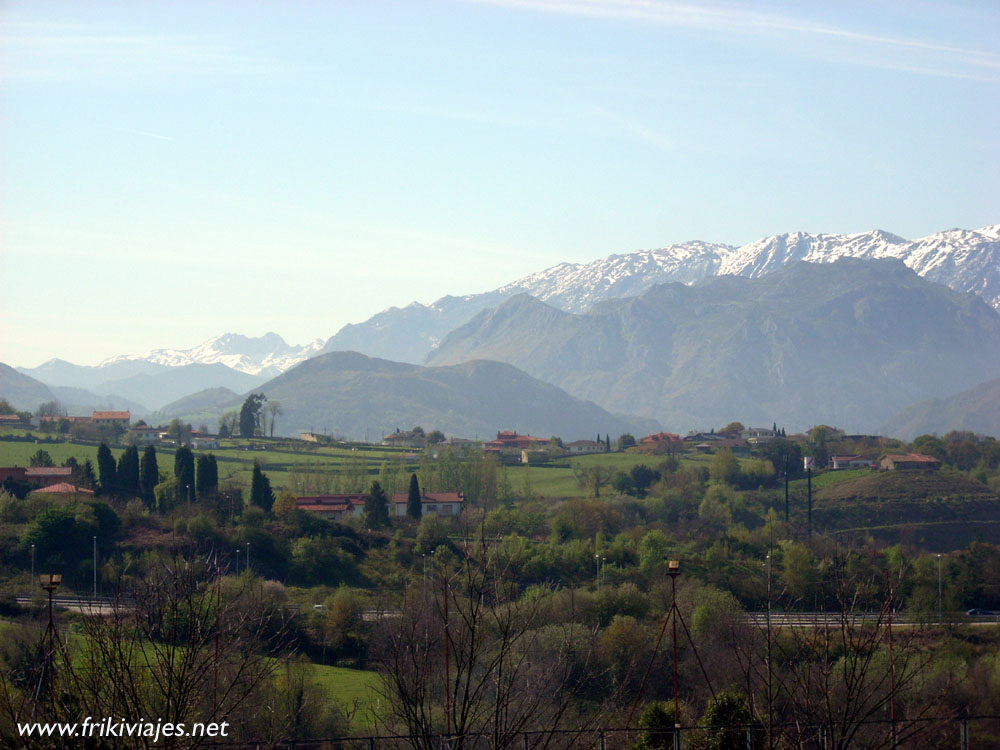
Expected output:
(786, 490)
(809, 491)
(95, 567)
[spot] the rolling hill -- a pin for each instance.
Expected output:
(347, 393)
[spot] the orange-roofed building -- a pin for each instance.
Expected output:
(112, 418)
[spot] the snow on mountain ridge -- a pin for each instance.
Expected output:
(576, 286)
(965, 260)
(262, 355)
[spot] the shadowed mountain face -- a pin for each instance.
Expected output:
(976, 409)
(845, 343)
(347, 393)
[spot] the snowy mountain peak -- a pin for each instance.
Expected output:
(262, 355)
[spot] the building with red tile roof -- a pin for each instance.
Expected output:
(63, 488)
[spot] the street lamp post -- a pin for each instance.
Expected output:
(32, 565)
(95, 567)
(248, 557)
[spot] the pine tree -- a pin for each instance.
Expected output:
(376, 508)
(149, 476)
(414, 506)
(184, 473)
(128, 473)
(107, 471)
(261, 494)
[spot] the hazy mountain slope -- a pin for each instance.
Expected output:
(967, 261)
(846, 343)
(171, 383)
(204, 407)
(202, 401)
(407, 334)
(976, 409)
(265, 355)
(81, 402)
(59, 372)
(350, 394)
(22, 391)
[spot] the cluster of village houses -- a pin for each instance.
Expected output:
(509, 445)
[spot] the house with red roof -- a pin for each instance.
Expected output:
(112, 418)
(334, 507)
(896, 462)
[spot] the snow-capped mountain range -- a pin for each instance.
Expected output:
(266, 355)
(965, 260)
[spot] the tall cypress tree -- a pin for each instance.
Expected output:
(128, 473)
(184, 472)
(87, 479)
(207, 478)
(376, 507)
(149, 476)
(260, 489)
(106, 470)
(414, 507)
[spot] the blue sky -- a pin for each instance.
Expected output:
(171, 171)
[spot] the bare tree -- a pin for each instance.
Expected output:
(274, 410)
(847, 678)
(469, 659)
(180, 644)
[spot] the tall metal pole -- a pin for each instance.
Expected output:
(248, 557)
(95, 566)
(940, 618)
(892, 675)
(770, 694)
(677, 683)
(31, 583)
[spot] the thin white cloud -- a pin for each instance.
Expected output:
(820, 40)
(34, 51)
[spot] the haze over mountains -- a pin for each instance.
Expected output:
(744, 333)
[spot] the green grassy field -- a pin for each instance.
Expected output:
(352, 688)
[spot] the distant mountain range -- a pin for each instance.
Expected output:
(347, 393)
(966, 261)
(846, 343)
(145, 386)
(26, 393)
(976, 410)
(689, 334)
